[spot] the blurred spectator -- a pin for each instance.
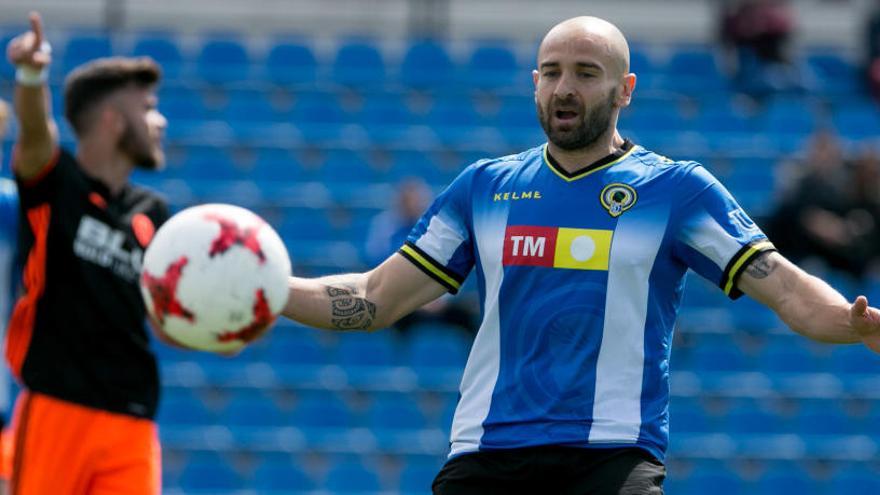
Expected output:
(759, 33)
(389, 230)
(872, 62)
(831, 213)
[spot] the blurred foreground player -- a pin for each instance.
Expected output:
(8, 236)
(581, 248)
(76, 340)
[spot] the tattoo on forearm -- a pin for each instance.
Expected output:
(762, 266)
(348, 311)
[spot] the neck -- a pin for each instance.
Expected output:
(106, 165)
(573, 160)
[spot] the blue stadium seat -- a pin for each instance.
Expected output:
(251, 408)
(854, 359)
(306, 224)
(695, 69)
(749, 417)
(712, 479)
(183, 407)
(163, 49)
(855, 479)
(180, 103)
(833, 73)
(788, 116)
(395, 411)
(223, 59)
(687, 415)
(492, 66)
(296, 348)
(291, 63)
(345, 165)
(366, 349)
(788, 354)
(427, 65)
(280, 475)
(385, 109)
(857, 121)
(322, 410)
(246, 106)
(718, 355)
(824, 418)
(351, 477)
(276, 165)
(208, 162)
(417, 475)
(81, 49)
(209, 472)
(359, 63)
(437, 347)
(785, 478)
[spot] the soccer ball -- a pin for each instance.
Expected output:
(214, 278)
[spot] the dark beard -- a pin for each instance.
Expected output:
(593, 127)
(140, 152)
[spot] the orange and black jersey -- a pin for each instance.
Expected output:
(77, 333)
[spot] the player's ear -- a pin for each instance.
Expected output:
(627, 86)
(535, 75)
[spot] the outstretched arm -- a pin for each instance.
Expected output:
(361, 301)
(38, 135)
(809, 305)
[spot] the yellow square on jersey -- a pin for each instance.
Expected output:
(583, 249)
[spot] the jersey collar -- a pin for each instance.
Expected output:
(607, 161)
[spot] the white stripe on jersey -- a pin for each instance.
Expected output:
(711, 240)
(617, 404)
(440, 241)
(483, 365)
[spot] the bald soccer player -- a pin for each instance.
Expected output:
(581, 247)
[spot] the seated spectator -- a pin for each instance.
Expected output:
(389, 230)
(872, 61)
(831, 212)
(759, 33)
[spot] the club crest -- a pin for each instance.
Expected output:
(616, 198)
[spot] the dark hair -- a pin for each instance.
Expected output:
(90, 83)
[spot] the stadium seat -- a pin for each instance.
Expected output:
(366, 349)
(857, 120)
(280, 476)
(687, 415)
(351, 477)
(854, 359)
(788, 354)
(824, 417)
(855, 479)
(251, 408)
(493, 66)
(694, 69)
(276, 165)
(246, 106)
(750, 417)
(437, 347)
(204, 162)
(345, 165)
(359, 63)
(711, 479)
(82, 49)
(833, 74)
(322, 410)
(290, 63)
(719, 355)
(785, 478)
(163, 49)
(209, 472)
(417, 475)
(222, 60)
(395, 411)
(293, 350)
(427, 65)
(183, 407)
(180, 104)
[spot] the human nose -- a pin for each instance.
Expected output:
(564, 87)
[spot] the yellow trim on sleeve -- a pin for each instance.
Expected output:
(738, 265)
(431, 267)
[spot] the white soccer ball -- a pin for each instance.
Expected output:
(214, 278)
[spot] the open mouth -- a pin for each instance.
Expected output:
(565, 115)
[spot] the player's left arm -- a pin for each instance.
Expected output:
(808, 305)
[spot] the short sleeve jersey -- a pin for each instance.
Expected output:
(77, 333)
(580, 279)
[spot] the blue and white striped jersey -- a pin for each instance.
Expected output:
(580, 279)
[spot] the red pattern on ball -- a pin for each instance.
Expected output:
(163, 291)
(231, 235)
(263, 319)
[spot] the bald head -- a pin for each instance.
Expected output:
(600, 36)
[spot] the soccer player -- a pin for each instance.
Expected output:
(581, 247)
(8, 236)
(76, 341)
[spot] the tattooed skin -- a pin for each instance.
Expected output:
(762, 266)
(350, 312)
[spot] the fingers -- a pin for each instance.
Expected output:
(37, 29)
(860, 306)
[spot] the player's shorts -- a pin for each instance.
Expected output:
(552, 469)
(59, 447)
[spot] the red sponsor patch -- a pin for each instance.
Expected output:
(231, 235)
(530, 246)
(163, 291)
(263, 319)
(143, 228)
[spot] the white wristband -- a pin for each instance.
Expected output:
(26, 75)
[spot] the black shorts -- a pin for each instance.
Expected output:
(552, 470)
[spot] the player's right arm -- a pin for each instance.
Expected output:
(38, 134)
(362, 301)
